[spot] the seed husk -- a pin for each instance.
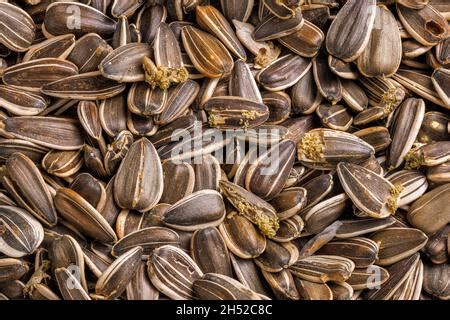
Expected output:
(83, 215)
(405, 128)
(236, 9)
(117, 150)
(210, 252)
(329, 84)
(350, 31)
(430, 213)
(312, 290)
(88, 52)
(362, 251)
(414, 185)
(289, 202)
(334, 116)
(20, 28)
(20, 233)
(245, 245)
(378, 137)
(168, 67)
(86, 86)
(322, 269)
(418, 82)
(141, 126)
(59, 20)
(249, 274)
(397, 244)
(305, 42)
(341, 290)
(398, 273)
(209, 56)
(427, 26)
(173, 272)
(345, 70)
(267, 177)
(354, 96)
(279, 104)
(148, 20)
(265, 51)
(272, 27)
(182, 179)
(12, 269)
(196, 211)
(213, 286)
(148, 239)
(434, 127)
(319, 240)
(305, 95)
(91, 189)
(69, 286)
(252, 207)
(242, 83)
(374, 60)
(289, 230)
(25, 184)
(65, 252)
(371, 193)
(282, 284)
(35, 74)
(321, 215)
(118, 66)
(440, 79)
(115, 279)
(227, 112)
(145, 101)
(276, 256)
(139, 180)
(140, 287)
(21, 103)
(364, 278)
(207, 173)
(127, 222)
(325, 148)
(436, 279)
(283, 72)
(212, 20)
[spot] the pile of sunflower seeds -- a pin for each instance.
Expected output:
(232, 149)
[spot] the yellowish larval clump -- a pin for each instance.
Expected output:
(312, 146)
(393, 198)
(266, 224)
(163, 77)
(414, 159)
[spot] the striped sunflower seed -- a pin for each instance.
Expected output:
(213, 286)
(282, 284)
(173, 272)
(12, 269)
(20, 28)
(350, 31)
(364, 278)
(397, 244)
(196, 211)
(436, 280)
(313, 291)
(385, 37)
(115, 279)
(148, 239)
(430, 212)
(252, 207)
(25, 184)
(21, 103)
(59, 20)
(272, 27)
(377, 199)
(325, 148)
(69, 286)
(322, 269)
(245, 245)
(88, 52)
(168, 67)
(20, 233)
(210, 252)
(139, 180)
(83, 215)
(209, 56)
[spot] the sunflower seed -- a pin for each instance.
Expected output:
(350, 31)
(20, 233)
(12, 269)
(25, 184)
(115, 279)
(313, 291)
(69, 286)
(272, 27)
(173, 272)
(322, 269)
(18, 29)
(196, 211)
(364, 278)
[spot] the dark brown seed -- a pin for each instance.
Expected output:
(209, 251)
